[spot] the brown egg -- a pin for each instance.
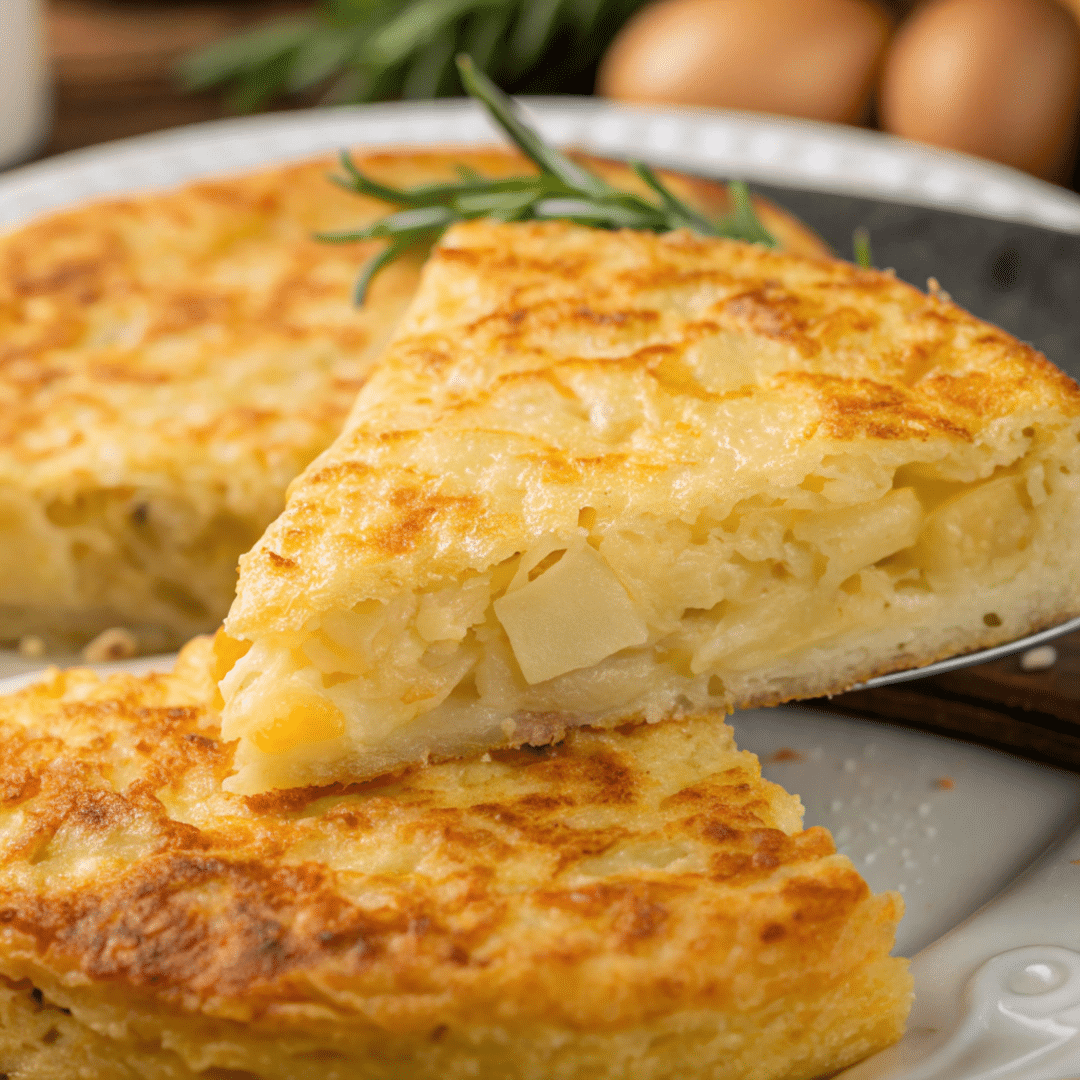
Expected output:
(996, 78)
(812, 58)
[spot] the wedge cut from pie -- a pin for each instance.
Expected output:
(170, 361)
(635, 903)
(610, 477)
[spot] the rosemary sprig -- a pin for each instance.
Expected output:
(367, 50)
(562, 189)
(860, 242)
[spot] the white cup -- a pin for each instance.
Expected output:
(24, 81)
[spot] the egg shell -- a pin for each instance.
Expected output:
(1073, 6)
(995, 78)
(811, 58)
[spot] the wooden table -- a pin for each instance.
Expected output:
(1034, 712)
(115, 64)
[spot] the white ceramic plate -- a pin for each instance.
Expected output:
(880, 789)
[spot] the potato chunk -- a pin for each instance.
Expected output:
(572, 616)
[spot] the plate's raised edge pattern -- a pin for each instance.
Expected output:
(998, 996)
(797, 153)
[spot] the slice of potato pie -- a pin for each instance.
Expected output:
(601, 477)
(628, 905)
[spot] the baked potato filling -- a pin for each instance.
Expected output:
(615, 621)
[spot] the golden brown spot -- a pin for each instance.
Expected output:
(773, 312)
(719, 832)
(785, 753)
(118, 372)
(673, 375)
(279, 801)
(641, 919)
(183, 311)
(351, 470)
(18, 785)
(417, 512)
(817, 900)
(863, 408)
(156, 927)
(978, 392)
(82, 280)
(618, 319)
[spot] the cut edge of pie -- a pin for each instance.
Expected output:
(602, 478)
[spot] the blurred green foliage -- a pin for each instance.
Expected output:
(374, 50)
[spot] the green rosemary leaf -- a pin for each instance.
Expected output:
(468, 173)
(585, 13)
(349, 12)
(482, 204)
(678, 210)
(484, 35)
(521, 213)
(743, 223)
(562, 190)
(389, 254)
(244, 53)
(423, 195)
(607, 215)
(432, 68)
(356, 181)
(534, 29)
(448, 192)
(503, 111)
(316, 58)
(415, 220)
(417, 25)
(860, 241)
(363, 50)
(255, 87)
(427, 194)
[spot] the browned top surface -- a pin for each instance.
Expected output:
(545, 368)
(188, 331)
(204, 330)
(602, 881)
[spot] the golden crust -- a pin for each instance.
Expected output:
(169, 362)
(607, 883)
(529, 338)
